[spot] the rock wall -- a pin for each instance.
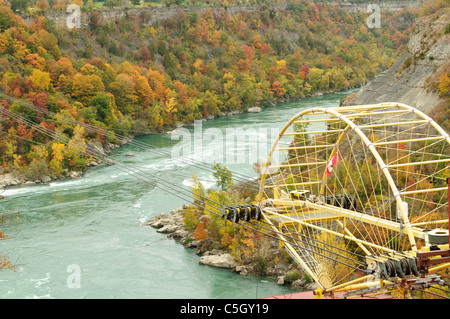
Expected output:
(405, 81)
(149, 16)
(384, 6)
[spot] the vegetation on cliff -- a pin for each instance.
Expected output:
(132, 78)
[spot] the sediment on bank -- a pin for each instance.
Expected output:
(214, 254)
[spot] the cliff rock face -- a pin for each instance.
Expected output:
(406, 80)
(151, 15)
(147, 16)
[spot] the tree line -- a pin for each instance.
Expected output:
(130, 77)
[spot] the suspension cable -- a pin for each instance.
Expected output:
(111, 135)
(141, 175)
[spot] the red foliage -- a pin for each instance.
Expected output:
(248, 52)
(304, 71)
(40, 100)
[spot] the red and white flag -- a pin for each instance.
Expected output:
(331, 164)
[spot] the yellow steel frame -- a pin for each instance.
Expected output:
(348, 116)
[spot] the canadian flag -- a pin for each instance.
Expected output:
(331, 164)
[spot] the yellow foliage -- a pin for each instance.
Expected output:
(3, 43)
(17, 161)
(40, 79)
(144, 91)
(58, 156)
(281, 64)
(228, 76)
(20, 50)
(171, 105)
(77, 143)
(190, 220)
(198, 191)
(58, 150)
(84, 87)
(128, 69)
(39, 151)
(198, 63)
(88, 69)
(444, 84)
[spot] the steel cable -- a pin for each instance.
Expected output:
(147, 179)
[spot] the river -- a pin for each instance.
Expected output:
(85, 238)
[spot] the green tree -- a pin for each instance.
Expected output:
(19, 5)
(101, 103)
(113, 3)
(224, 178)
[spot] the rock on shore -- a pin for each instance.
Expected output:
(10, 180)
(18, 179)
(221, 261)
(172, 224)
(254, 109)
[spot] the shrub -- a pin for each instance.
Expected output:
(293, 276)
(37, 169)
(190, 220)
(407, 63)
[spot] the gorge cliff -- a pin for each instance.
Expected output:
(418, 76)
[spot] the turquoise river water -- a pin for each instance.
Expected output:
(85, 237)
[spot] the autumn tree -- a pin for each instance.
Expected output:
(57, 158)
(124, 91)
(42, 5)
(40, 79)
(85, 87)
(50, 43)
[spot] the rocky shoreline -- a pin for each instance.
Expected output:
(17, 179)
(172, 225)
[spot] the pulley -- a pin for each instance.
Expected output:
(390, 266)
(342, 200)
(241, 212)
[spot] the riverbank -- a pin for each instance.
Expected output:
(213, 254)
(17, 178)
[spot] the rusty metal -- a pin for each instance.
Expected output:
(424, 261)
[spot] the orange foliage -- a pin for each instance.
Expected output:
(200, 233)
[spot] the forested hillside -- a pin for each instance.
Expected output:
(132, 77)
